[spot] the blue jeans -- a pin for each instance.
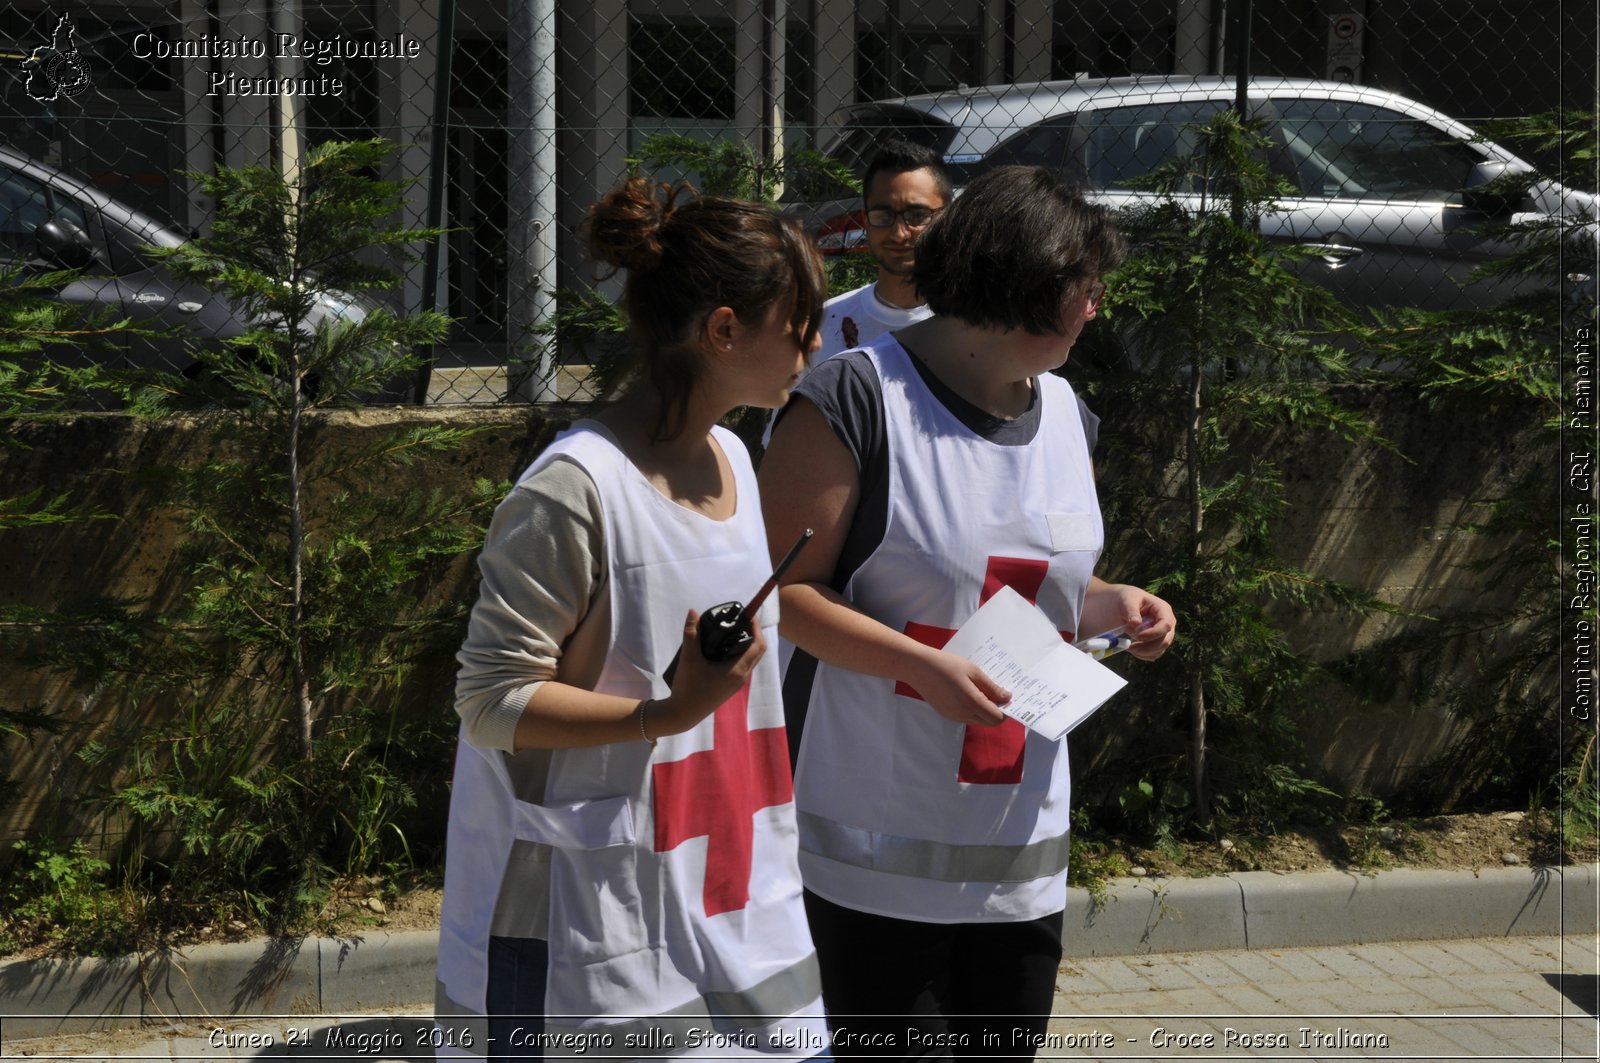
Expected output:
(519, 970)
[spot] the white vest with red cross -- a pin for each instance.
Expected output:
(902, 812)
(674, 921)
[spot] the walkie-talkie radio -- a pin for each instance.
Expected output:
(725, 630)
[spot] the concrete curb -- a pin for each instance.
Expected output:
(1264, 910)
(1253, 910)
(271, 976)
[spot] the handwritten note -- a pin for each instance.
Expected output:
(1054, 687)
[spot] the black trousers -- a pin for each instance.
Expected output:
(900, 988)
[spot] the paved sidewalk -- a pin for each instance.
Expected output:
(1504, 998)
(1496, 964)
(379, 972)
(1491, 999)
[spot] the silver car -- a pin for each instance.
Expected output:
(51, 221)
(1384, 189)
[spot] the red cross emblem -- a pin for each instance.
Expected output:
(989, 754)
(714, 793)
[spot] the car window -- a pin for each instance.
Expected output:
(1116, 146)
(24, 206)
(1043, 144)
(1346, 150)
(64, 207)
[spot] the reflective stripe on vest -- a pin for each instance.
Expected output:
(727, 1012)
(939, 861)
(730, 1013)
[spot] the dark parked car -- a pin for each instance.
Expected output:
(50, 220)
(1384, 188)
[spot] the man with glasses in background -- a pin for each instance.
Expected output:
(904, 189)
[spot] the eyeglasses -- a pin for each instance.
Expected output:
(913, 217)
(1091, 292)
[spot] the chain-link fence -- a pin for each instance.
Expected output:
(513, 118)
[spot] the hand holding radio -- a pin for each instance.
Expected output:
(726, 631)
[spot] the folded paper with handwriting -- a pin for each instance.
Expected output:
(1054, 686)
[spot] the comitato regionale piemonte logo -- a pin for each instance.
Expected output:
(56, 70)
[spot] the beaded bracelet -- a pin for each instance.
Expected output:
(642, 733)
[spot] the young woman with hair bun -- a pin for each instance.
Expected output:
(621, 876)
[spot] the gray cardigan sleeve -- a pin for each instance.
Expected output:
(543, 580)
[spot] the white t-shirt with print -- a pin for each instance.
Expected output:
(856, 318)
(853, 320)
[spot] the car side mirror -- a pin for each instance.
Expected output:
(1495, 188)
(62, 243)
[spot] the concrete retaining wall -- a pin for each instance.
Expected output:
(1382, 520)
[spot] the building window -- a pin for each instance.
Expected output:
(928, 61)
(680, 70)
(478, 73)
(799, 77)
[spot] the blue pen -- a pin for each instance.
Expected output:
(1102, 646)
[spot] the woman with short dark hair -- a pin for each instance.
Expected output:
(940, 463)
(1008, 258)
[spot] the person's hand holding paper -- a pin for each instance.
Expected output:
(1054, 687)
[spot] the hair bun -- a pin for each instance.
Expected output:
(624, 228)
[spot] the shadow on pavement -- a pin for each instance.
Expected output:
(1582, 989)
